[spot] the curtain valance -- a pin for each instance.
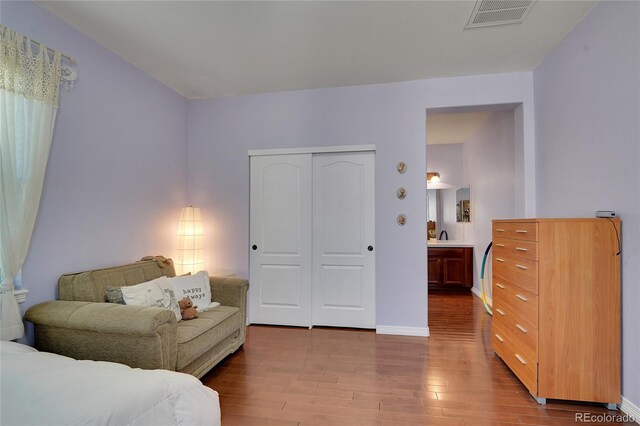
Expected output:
(35, 75)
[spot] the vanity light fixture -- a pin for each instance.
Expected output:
(433, 177)
(434, 182)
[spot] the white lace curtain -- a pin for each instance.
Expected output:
(29, 80)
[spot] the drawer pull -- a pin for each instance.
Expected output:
(521, 328)
(499, 230)
(521, 359)
(499, 337)
(521, 297)
(521, 231)
(499, 245)
(500, 285)
(499, 260)
(521, 249)
(500, 311)
(524, 268)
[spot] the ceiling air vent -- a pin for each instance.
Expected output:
(499, 12)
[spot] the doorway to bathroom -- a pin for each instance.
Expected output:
(474, 173)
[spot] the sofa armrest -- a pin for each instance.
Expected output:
(229, 291)
(100, 317)
(133, 335)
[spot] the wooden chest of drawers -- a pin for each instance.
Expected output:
(556, 306)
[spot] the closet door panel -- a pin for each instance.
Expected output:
(280, 239)
(343, 267)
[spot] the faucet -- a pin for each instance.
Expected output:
(446, 235)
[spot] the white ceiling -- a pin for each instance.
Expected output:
(212, 48)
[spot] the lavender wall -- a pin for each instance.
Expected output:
(116, 176)
(446, 159)
(391, 116)
(587, 94)
(489, 168)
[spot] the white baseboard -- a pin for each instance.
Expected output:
(630, 408)
(402, 331)
(479, 294)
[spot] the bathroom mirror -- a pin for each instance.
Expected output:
(463, 205)
(443, 212)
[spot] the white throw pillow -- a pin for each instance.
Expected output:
(196, 287)
(156, 292)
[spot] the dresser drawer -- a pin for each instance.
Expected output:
(500, 296)
(523, 367)
(523, 249)
(524, 231)
(505, 247)
(501, 314)
(500, 285)
(501, 247)
(501, 230)
(521, 272)
(522, 334)
(522, 302)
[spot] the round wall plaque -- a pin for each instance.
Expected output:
(401, 193)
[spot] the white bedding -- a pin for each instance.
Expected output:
(39, 388)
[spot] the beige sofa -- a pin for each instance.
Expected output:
(82, 325)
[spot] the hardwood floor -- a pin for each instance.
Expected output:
(328, 376)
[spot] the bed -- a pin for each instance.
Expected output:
(39, 388)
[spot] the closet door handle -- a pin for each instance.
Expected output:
(521, 359)
(500, 285)
(521, 297)
(499, 245)
(254, 247)
(500, 311)
(521, 249)
(521, 328)
(370, 248)
(524, 268)
(499, 260)
(499, 337)
(499, 230)
(521, 231)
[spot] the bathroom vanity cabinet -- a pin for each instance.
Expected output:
(450, 267)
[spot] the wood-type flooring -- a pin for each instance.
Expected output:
(329, 376)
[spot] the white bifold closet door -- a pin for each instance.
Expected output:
(312, 232)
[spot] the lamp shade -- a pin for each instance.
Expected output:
(190, 244)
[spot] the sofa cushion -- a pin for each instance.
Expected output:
(91, 286)
(196, 287)
(114, 295)
(198, 335)
(156, 292)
